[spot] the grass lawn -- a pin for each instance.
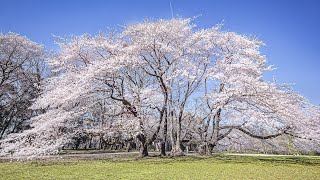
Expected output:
(220, 167)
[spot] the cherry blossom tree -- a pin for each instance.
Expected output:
(241, 100)
(163, 79)
(90, 70)
(21, 70)
(177, 56)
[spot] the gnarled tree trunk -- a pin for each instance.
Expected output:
(143, 145)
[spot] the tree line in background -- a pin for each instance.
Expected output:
(164, 84)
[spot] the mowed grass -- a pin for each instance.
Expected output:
(220, 167)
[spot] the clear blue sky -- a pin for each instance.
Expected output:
(290, 28)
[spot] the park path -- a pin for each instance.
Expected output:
(89, 156)
(117, 155)
(267, 155)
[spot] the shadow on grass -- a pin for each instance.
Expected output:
(156, 159)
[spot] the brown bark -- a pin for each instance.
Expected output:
(144, 150)
(164, 140)
(143, 145)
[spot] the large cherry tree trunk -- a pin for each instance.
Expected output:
(164, 139)
(143, 145)
(176, 149)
